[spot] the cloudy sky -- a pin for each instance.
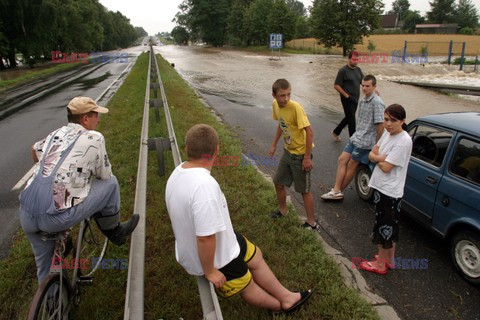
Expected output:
(156, 16)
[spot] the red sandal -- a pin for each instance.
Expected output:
(367, 266)
(388, 264)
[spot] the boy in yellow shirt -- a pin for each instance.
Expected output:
(296, 162)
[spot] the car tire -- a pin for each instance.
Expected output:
(465, 253)
(362, 178)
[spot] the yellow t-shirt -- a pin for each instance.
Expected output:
(292, 120)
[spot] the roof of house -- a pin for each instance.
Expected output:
(388, 20)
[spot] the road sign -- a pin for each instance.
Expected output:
(276, 40)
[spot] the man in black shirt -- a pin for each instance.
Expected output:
(347, 83)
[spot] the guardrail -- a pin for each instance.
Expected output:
(134, 302)
(134, 299)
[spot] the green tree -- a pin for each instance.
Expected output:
(466, 15)
(442, 11)
(344, 23)
(302, 29)
(256, 21)
(400, 8)
(180, 35)
(296, 7)
(236, 22)
(281, 20)
(209, 17)
(412, 18)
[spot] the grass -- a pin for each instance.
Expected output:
(295, 255)
(35, 74)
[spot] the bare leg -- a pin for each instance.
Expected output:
(350, 173)
(309, 207)
(267, 291)
(282, 198)
(382, 258)
(343, 159)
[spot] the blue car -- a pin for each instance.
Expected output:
(442, 190)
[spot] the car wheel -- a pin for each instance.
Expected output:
(362, 177)
(465, 252)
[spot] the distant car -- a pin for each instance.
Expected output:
(442, 190)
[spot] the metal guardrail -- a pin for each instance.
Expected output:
(134, 302)
(208, 297)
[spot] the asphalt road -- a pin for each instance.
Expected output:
(437, 292)
(36, 119)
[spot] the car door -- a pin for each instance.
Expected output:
(430, 145)
(458, 197)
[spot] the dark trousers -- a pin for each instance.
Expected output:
(349, 108)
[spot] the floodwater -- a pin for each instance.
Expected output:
(245, 78)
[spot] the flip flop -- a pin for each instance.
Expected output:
(304, 296)
(367, 266)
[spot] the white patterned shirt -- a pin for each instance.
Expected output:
(87, 159)
(370, 113)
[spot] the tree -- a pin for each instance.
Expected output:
(281, 20)
(297, 7)
(236, 22)
(466, 15)
(302, 29)
(344, 23)
(442, 11)
(180, 35)
(411, 19)
(256, 22)
(400, 8)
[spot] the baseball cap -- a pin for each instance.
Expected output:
(81, 105)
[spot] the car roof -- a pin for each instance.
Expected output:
(468, 122)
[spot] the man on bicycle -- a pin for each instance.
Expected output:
(63, 192)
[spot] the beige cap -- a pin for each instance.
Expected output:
(81, 105)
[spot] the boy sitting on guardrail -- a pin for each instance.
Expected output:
(205, 242)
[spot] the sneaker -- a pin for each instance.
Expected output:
(277, 215)
(336, 137)
(332, 195)
(120, 233)
(308, 226)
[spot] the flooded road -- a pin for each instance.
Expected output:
(237, 85)
(246, 78)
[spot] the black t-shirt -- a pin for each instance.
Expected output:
(350, 80)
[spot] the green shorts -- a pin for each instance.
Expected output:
(236, 271)
(290, 170)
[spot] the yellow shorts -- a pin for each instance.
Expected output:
(236, 271)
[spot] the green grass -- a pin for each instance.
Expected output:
(35, 74)
(295, 255)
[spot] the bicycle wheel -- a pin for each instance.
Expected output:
(91, 248)
(51, 301)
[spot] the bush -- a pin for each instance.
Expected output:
(465, 61)
(467, 31)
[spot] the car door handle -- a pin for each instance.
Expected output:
(431, 180)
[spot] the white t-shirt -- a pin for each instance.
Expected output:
(398, 149)
(197, 207)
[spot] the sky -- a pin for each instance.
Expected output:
(156, 15)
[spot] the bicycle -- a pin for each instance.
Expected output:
(59, 291)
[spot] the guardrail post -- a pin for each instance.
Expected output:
(160, 145)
